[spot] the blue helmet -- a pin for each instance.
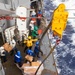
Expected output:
(29, 52)
(18, 53)
(37, 43)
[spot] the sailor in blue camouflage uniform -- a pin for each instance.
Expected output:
(18, 58)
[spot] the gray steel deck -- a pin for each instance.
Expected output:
(49, 63)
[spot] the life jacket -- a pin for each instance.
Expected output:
(33, 19)
(29, 43)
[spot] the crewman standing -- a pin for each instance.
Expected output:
(29, 43)
(13, 44)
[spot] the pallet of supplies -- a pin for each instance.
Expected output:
(29, 58)
(30, 70)
(7, 47)
(24, 65)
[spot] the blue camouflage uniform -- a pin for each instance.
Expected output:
(18, 58)
(30, 52)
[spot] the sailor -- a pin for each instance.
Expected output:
(29, 43)
(30, 52)
(18, 58)
(3, 54)
(35, 32)
(34, 5)
(37, 49)
(33, 14)
(31, 27)
(16, 35)
(24, 37)
(39, 15)
(13, 44)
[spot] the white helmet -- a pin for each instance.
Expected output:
(32, 22)
(33, 13)
(1, 47)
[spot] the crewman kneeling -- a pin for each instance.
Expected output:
(30, 52)
(29, 56)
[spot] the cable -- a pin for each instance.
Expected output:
(52, 49)
(45, 32)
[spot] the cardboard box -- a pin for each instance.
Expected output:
(24, 65)
(35, 63)
(7, 47)
(30, 70)
(29, 58)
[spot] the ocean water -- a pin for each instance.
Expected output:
(65, 51)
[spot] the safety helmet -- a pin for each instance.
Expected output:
(18, 53)
(1, 47)
(32, 22)
(29, 37)
(33, 13)
(37, 43)
(28, 51)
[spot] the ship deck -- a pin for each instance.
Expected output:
(49, 65)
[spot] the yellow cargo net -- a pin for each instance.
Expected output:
(59, 20)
